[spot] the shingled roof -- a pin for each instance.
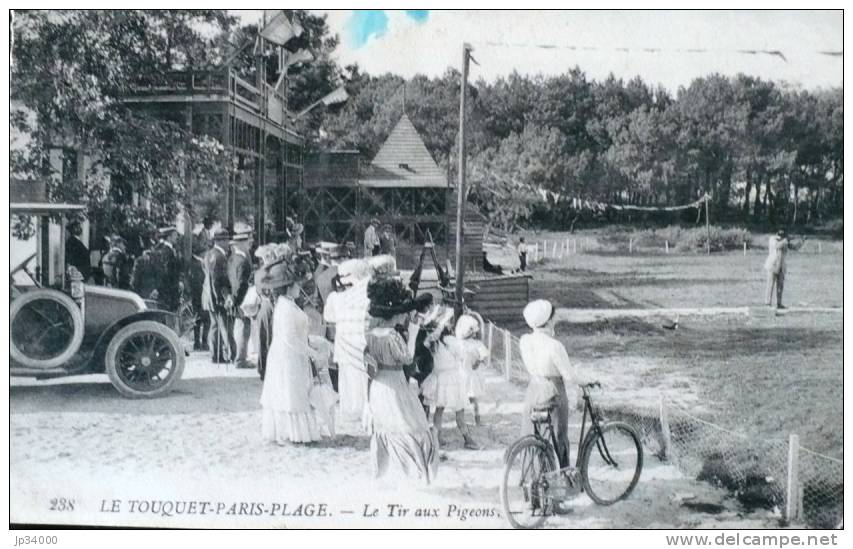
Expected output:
(403, 161)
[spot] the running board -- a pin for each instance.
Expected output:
(37, 372)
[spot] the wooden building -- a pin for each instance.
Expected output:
(403, 186)
(253, 123)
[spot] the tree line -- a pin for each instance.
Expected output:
(765, 152)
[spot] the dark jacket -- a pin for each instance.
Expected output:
(216, 277)
(168, 267)
(144, 279)
(239, 276)
(77, 255)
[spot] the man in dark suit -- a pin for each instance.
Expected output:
(240, 276)
(169, 269)
(216, 294)
(76, 253)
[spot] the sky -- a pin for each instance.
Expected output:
(669, 48)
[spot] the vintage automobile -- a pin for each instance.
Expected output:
(59, 326)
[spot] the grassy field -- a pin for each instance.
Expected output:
(763, 375)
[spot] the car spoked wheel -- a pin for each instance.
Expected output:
(45, 329)
(144, 359)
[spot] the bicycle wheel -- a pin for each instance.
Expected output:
(611, 463)
(525, 503)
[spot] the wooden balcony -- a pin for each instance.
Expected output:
(214, 86)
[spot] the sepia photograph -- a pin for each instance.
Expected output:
(427, 269)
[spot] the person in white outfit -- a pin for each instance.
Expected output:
(551, 372)
(347, 311)
(401, 438)
(289, 379)
(474, 355)
(446, 386)
(775, 266)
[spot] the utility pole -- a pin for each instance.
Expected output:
(460, 188)
(708, 221)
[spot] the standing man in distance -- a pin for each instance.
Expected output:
(775, 266)
(215, 294)
(239, 277)
(371, 239)
(169, 268)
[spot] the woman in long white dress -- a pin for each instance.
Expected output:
(287, 412)
(401, 437)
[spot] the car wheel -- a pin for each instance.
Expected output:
(144, 359)
(45, 328)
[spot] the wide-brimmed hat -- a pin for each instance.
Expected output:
(423, 302)
(538, 313)
(266, 253)
(466, 326)
(275, 275)
(383, 266)
(167, 230)
(221, 234)
(375, 221)
(241, 237)
(388, 298)
(353, 270)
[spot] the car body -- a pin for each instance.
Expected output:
(63, 327)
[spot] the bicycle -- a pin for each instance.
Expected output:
(608, 466)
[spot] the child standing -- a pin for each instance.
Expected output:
(474, 355)
(445, 387)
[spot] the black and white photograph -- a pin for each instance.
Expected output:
(428, 269)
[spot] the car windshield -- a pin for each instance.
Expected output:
(24, 273)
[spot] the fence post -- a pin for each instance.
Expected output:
(667, 245)
(744, 249)
(491, 343)
(630, 245)
(819, 248)
(575, 245)
(666, 436)
(792, 497)
(507, 355)
(567, 245)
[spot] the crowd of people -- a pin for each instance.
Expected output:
(351, 343)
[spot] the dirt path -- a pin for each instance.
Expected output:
(79, 440)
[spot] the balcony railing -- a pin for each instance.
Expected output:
(270, 104)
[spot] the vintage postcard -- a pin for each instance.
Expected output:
(426, 269)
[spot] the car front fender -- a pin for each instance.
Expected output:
(164, 317)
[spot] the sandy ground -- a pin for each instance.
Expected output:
(195, 458)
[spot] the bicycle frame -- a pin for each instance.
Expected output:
(594, 427)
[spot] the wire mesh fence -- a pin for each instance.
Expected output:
(805, 487)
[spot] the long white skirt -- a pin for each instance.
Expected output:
(401, 437)
(352, 388)
(475, 383)
(283, 427)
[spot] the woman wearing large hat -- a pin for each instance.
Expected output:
(289, 377)
(401, 438)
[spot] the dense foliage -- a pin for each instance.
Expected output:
(764, 152)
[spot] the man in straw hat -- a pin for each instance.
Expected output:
(371, 239)
(239, 277)
(551, 373)
(216, 294)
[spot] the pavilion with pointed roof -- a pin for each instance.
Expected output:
(403, 186)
